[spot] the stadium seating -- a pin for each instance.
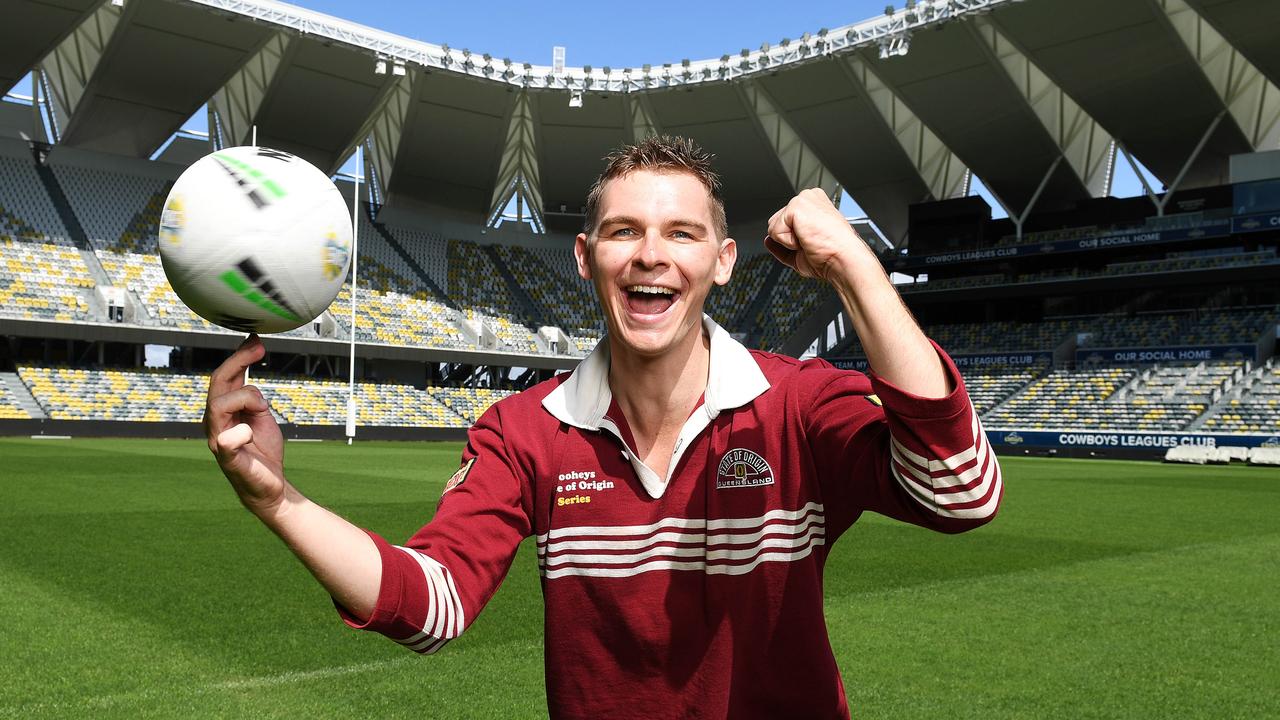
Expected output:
(22, 195)
(475, 284)
(9, 408)
(1252, 407)
(42, 275)
(469, 403)
(394, 307)
(40, 279)
(726, 304)
(792, 299)
(551, 278)
(991, 386)
(1067, 398)
(80, 394)
(324, 402)
(120, 214)
(169, 396)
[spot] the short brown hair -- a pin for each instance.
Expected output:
(660, 153)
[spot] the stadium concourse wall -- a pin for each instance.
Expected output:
(46, 428)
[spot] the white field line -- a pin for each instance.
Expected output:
(164, 694)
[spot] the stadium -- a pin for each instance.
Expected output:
(1090, 329)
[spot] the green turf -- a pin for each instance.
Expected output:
(132, 584)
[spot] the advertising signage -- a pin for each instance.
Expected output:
(1122, 439)
(1210, 229)
(964, 362)
(1256, 223)
(1197, 353)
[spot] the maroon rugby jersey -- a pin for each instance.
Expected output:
(698, 595)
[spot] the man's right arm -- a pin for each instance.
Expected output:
(249, 447)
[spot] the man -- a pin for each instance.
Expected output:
(682, 490)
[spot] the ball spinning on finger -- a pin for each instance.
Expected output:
(255, 239)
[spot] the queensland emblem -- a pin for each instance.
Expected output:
(743, 468)
(459, 476)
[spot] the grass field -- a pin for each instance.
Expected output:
(132, 584)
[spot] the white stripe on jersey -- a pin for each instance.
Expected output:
(684, 523)
(942, 493)
(767, 555)
(778, 535)
(445, 618)
(685, 538)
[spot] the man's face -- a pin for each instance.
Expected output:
(653, 258)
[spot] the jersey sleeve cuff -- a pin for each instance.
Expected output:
(387, 616)
(909, 405)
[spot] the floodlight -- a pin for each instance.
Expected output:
(380, 67)
(575, 99)
(888, 10)
(398, 69)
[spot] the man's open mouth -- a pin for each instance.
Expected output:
(650, 299)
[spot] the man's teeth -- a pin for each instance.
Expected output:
(652, 289)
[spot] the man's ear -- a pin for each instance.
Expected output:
(582, 253)
(725, 262)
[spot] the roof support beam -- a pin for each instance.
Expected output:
(386, 128)
(68, 70)
(799, 162)
(1021, 218)
(233, 110)
(394, 86)
(640, 117)
(518, 175)
(1088, 149)
(1252, 99)
(1161, 202)
(942, 172)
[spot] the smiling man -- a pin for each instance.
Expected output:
(683, 492)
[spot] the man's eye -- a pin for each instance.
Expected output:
(623, 231)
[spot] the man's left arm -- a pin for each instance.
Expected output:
(929, 459)
(813, 238)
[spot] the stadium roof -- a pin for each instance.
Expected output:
(1029, 96)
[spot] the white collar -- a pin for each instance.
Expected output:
(734, 379)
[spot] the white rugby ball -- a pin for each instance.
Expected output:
(255, 239)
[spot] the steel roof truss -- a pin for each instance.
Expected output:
(235, 107)
(942, 172)
(70, 67)
(385, 131)
(799, 162)
(518, 174)
(640, 117)
(1084, 144)
(1252, 99)
(884, 30)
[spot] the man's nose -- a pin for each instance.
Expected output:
(652, 251)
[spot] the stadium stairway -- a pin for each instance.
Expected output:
(1232, 391)
(530, 307)
(395, 245)
(60, 203)
(21, 395)
(1122, 393)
